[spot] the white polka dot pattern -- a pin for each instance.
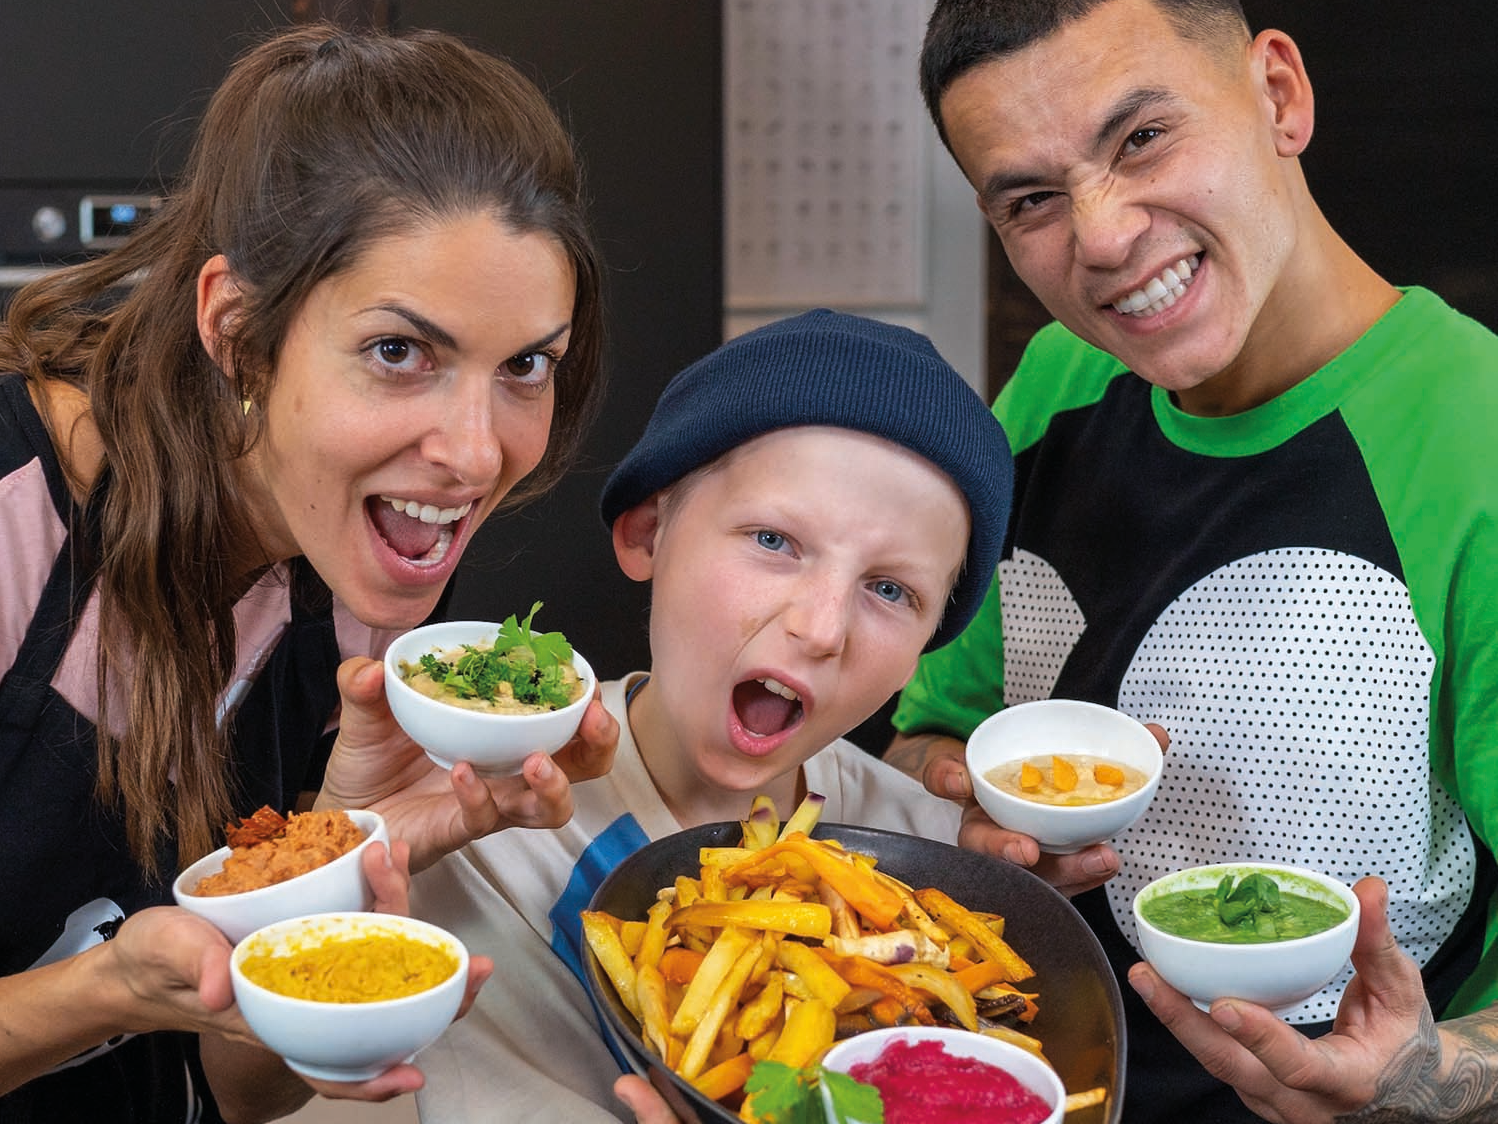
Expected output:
(1041, 626)
(1294, 684)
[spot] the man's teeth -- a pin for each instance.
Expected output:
(777, 687)
(428, 513)
(1162, 291)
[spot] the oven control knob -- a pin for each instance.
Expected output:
(49, 224)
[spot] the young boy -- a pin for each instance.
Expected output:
(815, 503)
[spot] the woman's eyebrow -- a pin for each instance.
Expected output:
(426, 328)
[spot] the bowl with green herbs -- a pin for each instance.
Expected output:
(487, 693)
(1271, 933)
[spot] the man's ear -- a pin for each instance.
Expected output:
(634, 538)
(218, 304)
(1287, 87)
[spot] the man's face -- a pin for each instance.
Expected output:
(1140, 186)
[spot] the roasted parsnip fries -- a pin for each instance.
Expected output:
(786, 943)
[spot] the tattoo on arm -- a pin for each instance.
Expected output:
(1412, 1088)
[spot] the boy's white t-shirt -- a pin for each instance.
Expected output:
(532, 1048)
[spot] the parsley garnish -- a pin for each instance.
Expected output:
(1251, 902)
(531, 663)
(779, 1094)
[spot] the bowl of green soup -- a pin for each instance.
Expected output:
(1270, 933)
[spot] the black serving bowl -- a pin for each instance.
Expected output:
(1080, 1023)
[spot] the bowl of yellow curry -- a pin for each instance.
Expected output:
(1065, 772)
(346, 996)
(487, 693)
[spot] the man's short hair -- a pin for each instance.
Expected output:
(962, 34)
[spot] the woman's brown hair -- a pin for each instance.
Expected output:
(318, 143)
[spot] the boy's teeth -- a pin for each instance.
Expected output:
(1162, 291)
(780, 689)
(427, 513)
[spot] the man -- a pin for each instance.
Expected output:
(1255, 497)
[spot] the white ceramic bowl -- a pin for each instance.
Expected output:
(1277, 975)
(336, 885)
(1047, 726)
(346, 1041)
(492, 743)
(1029, 1070)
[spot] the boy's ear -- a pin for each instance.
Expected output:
(634, 538)
(218, 303)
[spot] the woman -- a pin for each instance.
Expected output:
(368, 316)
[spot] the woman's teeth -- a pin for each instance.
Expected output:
(428, 513)
(779, 688)
(1162, 291)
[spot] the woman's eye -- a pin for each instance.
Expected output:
(397, 352)
(892, 592)
(770, 540)
(531, 366)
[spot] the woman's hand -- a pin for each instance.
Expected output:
(255, 1080)
(172, 969)
(375, 765)
(1383, 1059)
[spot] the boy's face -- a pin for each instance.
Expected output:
(794, 585)
(1115, 150)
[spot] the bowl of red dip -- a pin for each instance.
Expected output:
(940, 1075)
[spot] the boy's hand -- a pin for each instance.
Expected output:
(641, 1098)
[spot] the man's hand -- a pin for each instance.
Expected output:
(1385, 1059)
(939, 763)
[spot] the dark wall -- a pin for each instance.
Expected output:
(639, 84)
(107, 93)
(1405, 154)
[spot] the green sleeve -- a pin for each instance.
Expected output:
(1433, 459)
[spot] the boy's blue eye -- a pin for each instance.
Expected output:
(770, 540)
(889, 591)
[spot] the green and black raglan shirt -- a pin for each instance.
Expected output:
(1304, 595)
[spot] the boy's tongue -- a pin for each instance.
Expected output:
(762, 711)
(407, 536)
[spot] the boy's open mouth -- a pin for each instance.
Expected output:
(419, 533)
(766, 706)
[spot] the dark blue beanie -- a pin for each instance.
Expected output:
(829, 368)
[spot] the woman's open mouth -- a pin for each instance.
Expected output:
(420, 533)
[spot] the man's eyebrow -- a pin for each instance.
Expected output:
(1123, 111)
